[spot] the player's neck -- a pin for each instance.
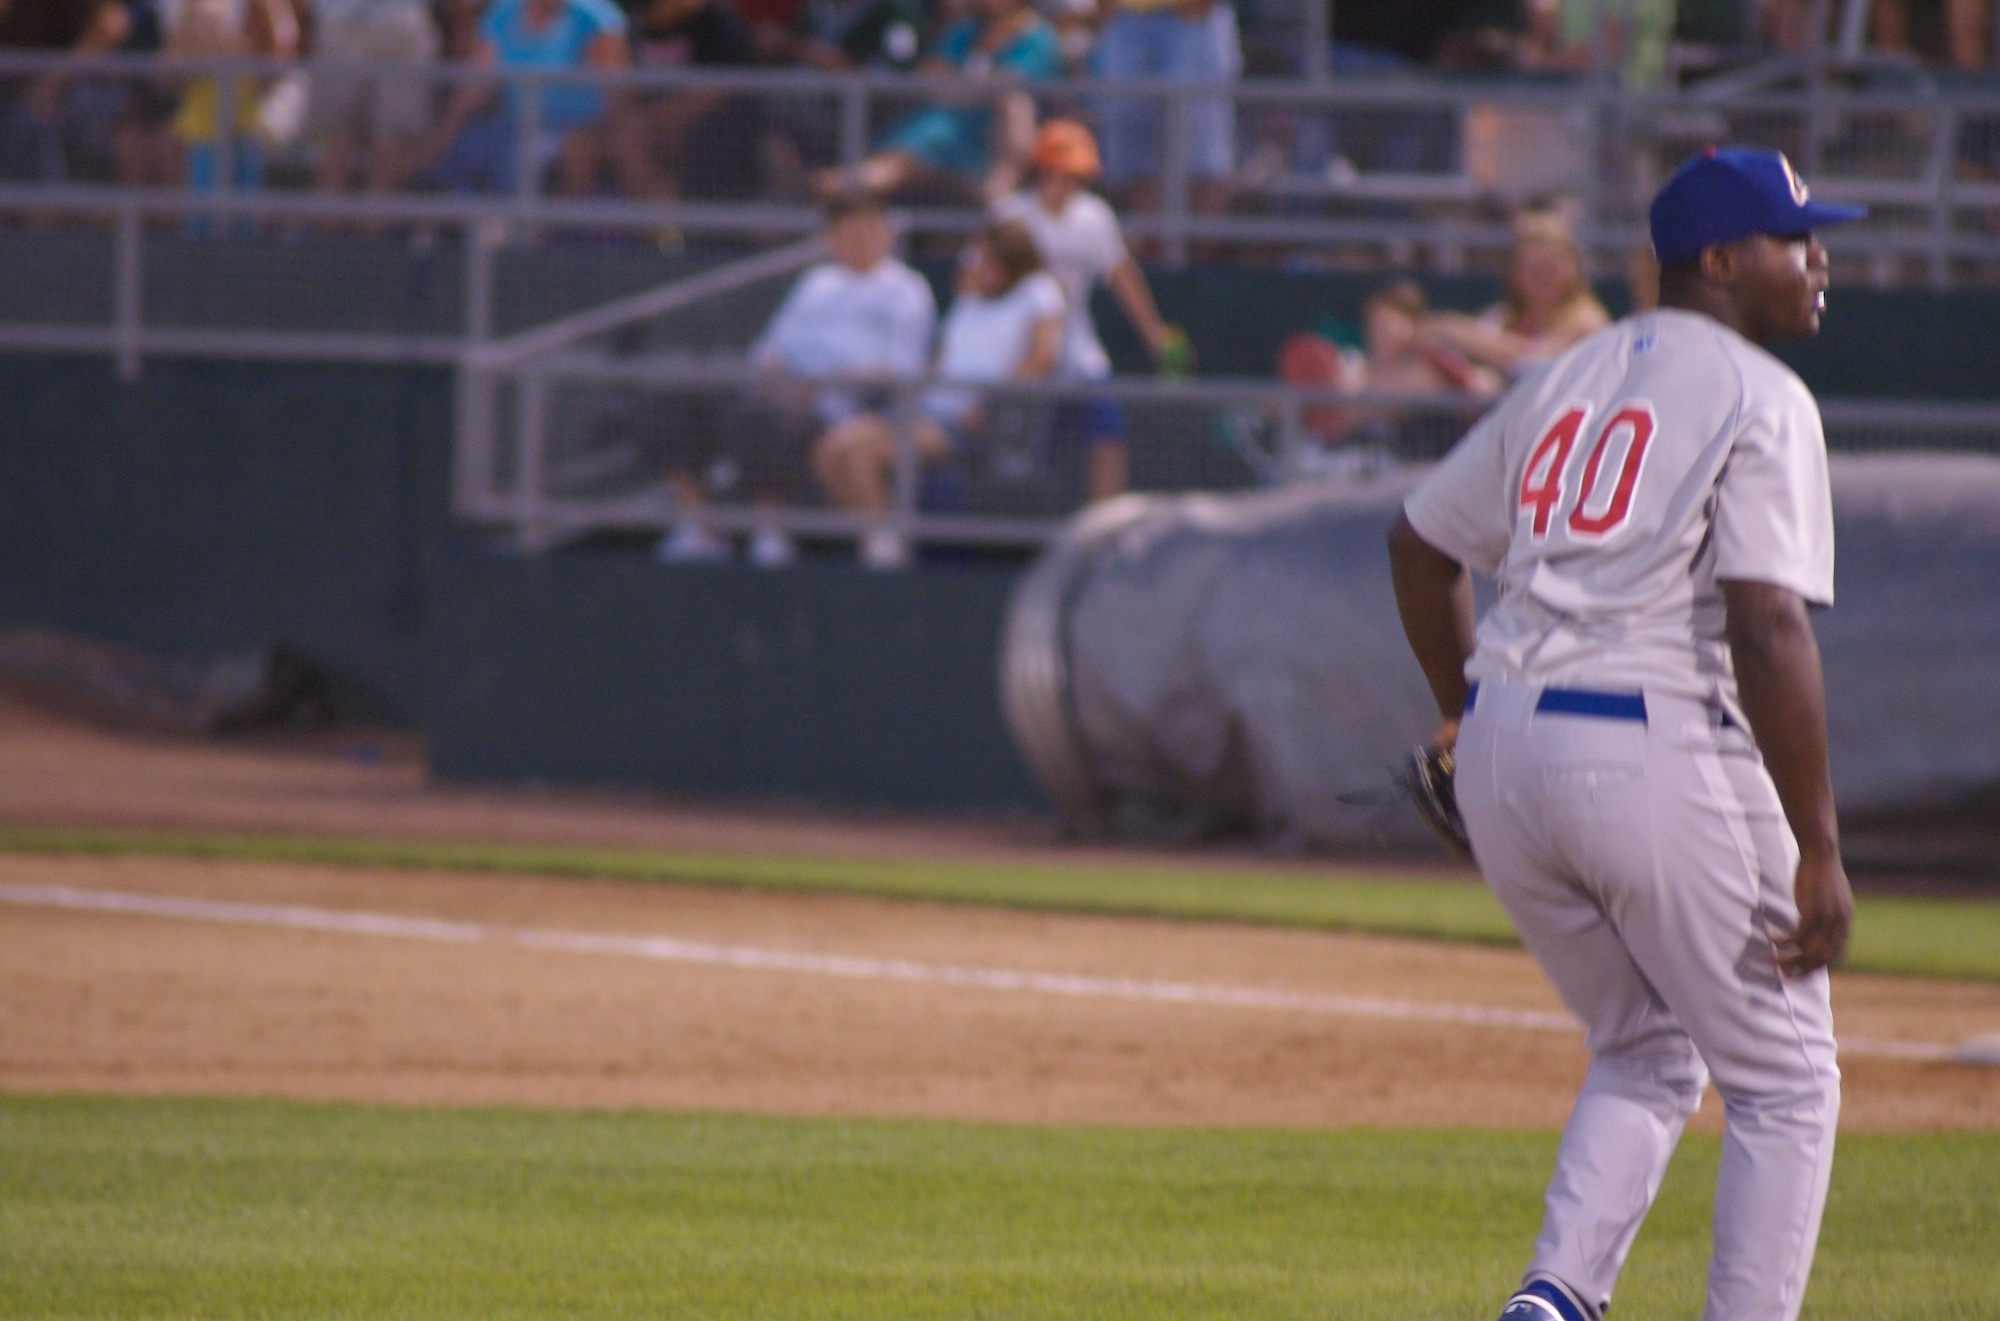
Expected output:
(1709, 302)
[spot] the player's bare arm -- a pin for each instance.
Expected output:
(1434, 598)
(1128, 285)
(1783, 693)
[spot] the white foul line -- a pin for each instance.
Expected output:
(669, 950)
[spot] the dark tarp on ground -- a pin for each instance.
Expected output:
(213, 694)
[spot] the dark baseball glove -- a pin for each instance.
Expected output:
(1427, 778)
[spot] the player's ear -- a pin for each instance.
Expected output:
(1719, 263)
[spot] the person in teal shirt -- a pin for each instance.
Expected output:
(1007, 39)
(552, 35)
(527, 34)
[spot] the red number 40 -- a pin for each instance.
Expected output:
(1544, 479)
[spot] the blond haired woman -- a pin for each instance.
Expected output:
(1548, 304)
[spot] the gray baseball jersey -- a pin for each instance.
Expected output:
(1610, 492)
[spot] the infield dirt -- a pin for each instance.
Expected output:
(149, 1004)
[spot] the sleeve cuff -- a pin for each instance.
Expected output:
(1814, 594)
(1440, 539)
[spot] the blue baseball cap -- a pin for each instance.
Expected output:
(1728, 193)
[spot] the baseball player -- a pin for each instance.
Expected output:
(1640, 736)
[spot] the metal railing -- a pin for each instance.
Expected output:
(648, 413)
(1394, 171)
(576, 400)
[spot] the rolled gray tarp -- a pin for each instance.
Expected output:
(1187, 666)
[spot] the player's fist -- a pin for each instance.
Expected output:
(1826, 914)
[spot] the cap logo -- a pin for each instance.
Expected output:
(1792, 180)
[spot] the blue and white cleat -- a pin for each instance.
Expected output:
(1543, 1300)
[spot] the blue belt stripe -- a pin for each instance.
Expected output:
(1581, 702)
(1588, 702)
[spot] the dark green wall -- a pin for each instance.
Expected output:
(321, 283)
(213, 507)
(822, 681)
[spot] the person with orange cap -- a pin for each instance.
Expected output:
(1082, 245)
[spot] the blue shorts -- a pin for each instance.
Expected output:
(485, 156)
(1088, 422)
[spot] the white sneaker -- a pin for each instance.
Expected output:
(770, 548)
(692, 543)
(884, 548)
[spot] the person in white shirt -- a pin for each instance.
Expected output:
(1083, 246)
(1639, 729)
(862, 314)
(1005, 324)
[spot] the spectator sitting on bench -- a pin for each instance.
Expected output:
(1005, 324)
(862, 314)
(1401, 358)
(1398, 358)
(1548, 304)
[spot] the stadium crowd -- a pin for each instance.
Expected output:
(395, 132)
(1051, 169)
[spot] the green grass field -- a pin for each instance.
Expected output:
(154, 1208)
(1920, 937)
